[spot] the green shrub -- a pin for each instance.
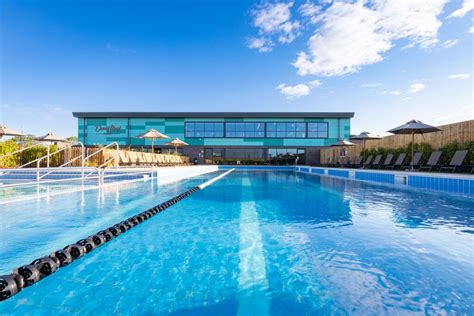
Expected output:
(36, 152)
(7, 147)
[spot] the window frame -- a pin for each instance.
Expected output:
(286, 131)
(204, 130)
(308, 131)
(226, 129)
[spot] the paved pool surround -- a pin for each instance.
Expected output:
(446, 182)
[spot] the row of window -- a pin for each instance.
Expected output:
(252, 153)
(256, 130)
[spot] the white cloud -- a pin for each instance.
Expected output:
(395, 92)
(416, 87)
(293, 92)
(406, 99)
(309, 9)
(289, 31)
(467, 6)
(314, 83)
(471, 30)
(460, 76)
(353, 35)
(370, 85)
(273, 19)
(299, 90)
(262, 44)
(449, 43)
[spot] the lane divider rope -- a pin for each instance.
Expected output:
(37, 270)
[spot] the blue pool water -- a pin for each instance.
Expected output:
(256, 242)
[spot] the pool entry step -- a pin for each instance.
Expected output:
(37, 270)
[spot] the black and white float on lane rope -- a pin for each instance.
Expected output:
(29, 274)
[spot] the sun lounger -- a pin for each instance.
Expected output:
(349, 163)
(376, 162)
(148, 158)
(432, 161)
(124, 159)
(358, 162)
(368, 161)
(161, 160)
(399, 162)
(456, 161)
(415, 160)
(155, 159)
(388, 161)
(133, 157)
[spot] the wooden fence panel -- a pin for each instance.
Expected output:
(461, 132)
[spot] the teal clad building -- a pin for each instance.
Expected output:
(222, 137)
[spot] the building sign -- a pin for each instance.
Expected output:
(108, 129)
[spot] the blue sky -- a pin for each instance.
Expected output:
(387, 60)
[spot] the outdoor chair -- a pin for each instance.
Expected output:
(358, 162)
(376, 161)
(399, 162)
(140, 159)
(149, 158)
(432, 161)
(456, 161)
(415, 160)
(155, 159)
(388, 161)
(368, 161)
(350, 162)
(133, 158)
(159, 159)
(124, 159)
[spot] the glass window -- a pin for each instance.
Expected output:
(198, 129)
(286, 130)
(318, 130)
(246, 129)
(285, 156)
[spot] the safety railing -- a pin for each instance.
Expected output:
(80, 156)
(73, 174)
(116, 154)
(118, 172)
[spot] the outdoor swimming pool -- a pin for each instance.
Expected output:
(254, 242)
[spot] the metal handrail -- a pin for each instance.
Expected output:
(101, 150)
(35, 170)
(66, 163)
(151, 170)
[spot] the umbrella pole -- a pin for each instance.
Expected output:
(47, 160)
(152, 147)
(363, 156)
(412, 145)
(176, 149)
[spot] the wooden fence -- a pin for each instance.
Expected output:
(461, 132)
(96, 160)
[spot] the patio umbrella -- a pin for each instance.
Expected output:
(51, 138)
(365, 136)
(5, 131)
(177, 143)
(342, 143)
(413, 127)
(152, 134)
